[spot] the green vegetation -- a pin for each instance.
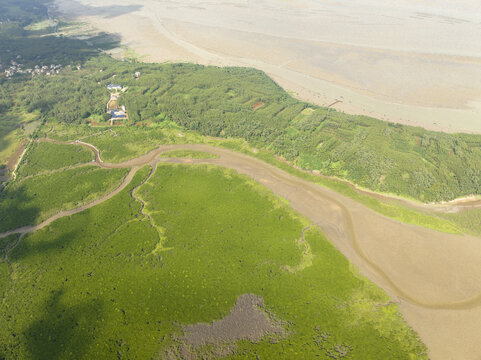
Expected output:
(373, 154)
(47, 156)
(468, 219)
(29, 39)
(36, 198)
(224, 102)
(126, 143)
(218, 102)
(189, 154)
(65, 98)
(223, 236)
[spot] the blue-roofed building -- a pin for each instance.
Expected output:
(118, 114)
(114, 87)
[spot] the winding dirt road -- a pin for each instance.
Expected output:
(434, 277)
(28, 229)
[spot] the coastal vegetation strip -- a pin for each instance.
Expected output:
(380, 156)
(126, 144)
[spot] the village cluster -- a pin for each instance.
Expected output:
(17, 68)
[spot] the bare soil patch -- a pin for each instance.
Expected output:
(246, 321)
(12, 162)
(258, 105)
(96, 123)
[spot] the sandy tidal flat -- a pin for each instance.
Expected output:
(404, 61)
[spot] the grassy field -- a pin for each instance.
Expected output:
(469, 220)
(46, 156)
(36, 198)
(132, 142)
(124, 143)
(98, 285)
(13, 132)
(10, 142)
(69, 132)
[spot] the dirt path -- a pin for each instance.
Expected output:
(16, 159)
(433, 276)
(28, 229)
(453, 206)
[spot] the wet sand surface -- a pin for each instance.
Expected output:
(406, 61)
(434, 277)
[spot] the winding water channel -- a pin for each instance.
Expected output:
(430, 274)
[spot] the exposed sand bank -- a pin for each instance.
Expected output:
(407, 62)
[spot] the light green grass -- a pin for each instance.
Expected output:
(89, 286)
(468, 219)
(46, 156)
(69, 132)
(132, 142)
(34, 199)
(11, 141)
(42, 25)
(4, 277)
(125, 143)
(12, 133)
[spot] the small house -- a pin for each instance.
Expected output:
(114, 87)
